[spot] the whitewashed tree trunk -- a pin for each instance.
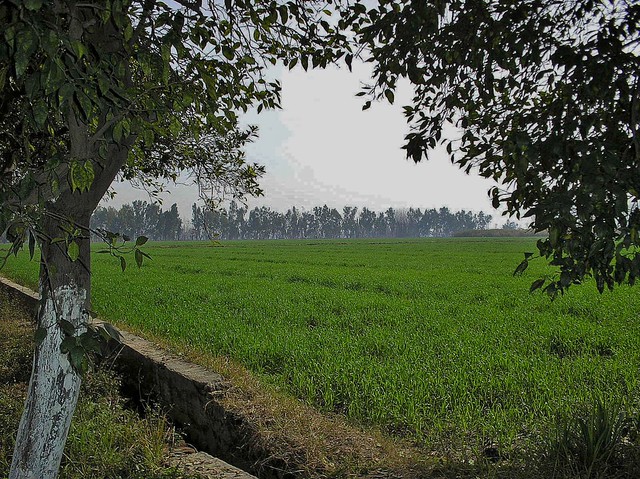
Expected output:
(65, 289)
(65, 292)
(65, 286)
(53, 391)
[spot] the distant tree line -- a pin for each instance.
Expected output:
(500, 233)
(237, 222)
(140, 218)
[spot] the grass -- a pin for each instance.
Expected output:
(431, 340)
(592, 443)
(106, 439)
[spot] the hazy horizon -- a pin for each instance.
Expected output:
(321, 148)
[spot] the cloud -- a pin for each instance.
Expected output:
(335, 153)
(321, 148)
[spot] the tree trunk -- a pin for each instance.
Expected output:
(55, 384)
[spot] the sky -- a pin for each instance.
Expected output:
(321, 148)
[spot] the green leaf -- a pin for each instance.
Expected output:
(67, 344)
(359, 8)
(39, 336)
(40, 112)
(26, 45)
(32, 86)
(175, 127)
(123, 263)
(79, 49)
(348, 59)
(521, 268)
(33, 5)
(81, 176)
(210, 84)
(128, 32)
(551, 290)
(141, 240)
(390, 96)
(68, 328)
(284, 13)
(148, 137)
(138, 256)
(228, 52)
(78, 359)
(73, 250)
(66, 93)
(104, 85)
(117, 132)
(112, 332)
(536, 285)
(49, 42)
(89, 341)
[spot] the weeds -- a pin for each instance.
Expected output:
(106, 439)
(592, 445)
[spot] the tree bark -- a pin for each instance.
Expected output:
(65, 285)
(54, 386)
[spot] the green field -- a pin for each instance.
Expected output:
(431, 339)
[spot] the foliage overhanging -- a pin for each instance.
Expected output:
(544, 94)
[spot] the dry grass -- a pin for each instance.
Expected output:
(317, 444)
(106, 439)
(15, 366)
(299, 441)
(296, 438)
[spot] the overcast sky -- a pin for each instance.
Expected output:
(321, 148)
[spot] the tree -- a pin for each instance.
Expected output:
(136, 219)
(545, 95)
(349, 222)
(367, 222)
(510, 225)
(136, 89)
(292, 222)
(197, 222)
(171, 229)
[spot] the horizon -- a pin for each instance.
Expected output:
(321, 148)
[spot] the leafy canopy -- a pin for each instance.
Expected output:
(141, 90)
(544, 94)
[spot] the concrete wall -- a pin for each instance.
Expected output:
(188, 393)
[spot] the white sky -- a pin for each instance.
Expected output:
(321, 148)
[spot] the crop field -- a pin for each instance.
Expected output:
(430, 339)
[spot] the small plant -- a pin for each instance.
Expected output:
(589, 445)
